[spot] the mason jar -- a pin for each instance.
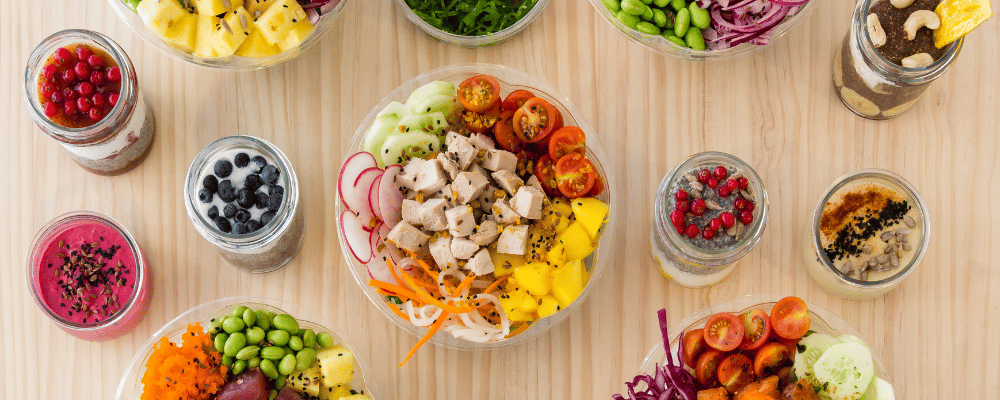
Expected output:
(118, 142)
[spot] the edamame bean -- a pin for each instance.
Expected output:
(214, 327)
(295, 343)
(249, 317)
(278, 337)
(254, 362)
(287, 323)
(627, 19)
(288, 350)
(305, 359)
(238, 311)
(648, 14)
(234, 324)
(612, 5)
(661, 3)
(308, 338)
(248, 352)
(634, 7)
(227, 361)
(287, 364)
(273, 395)
(262, 320)
(682, 22)
(694, 39)
(324, 340)
(236, 342)
(676, 40)
(647, 28)
(255, 335)
(678, 5)
(272, 353)
(699, 17)
(280, 382)
(268, 368)
(220, 341)
(659, 18)
(647, 2)
(239, 366)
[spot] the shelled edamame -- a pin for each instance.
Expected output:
(679, 21)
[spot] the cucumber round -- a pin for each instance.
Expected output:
(879, 390)
(808, 350)
(394, 109)
(851, 338)
(434, 122)
(400, 147)
(375, 137)
(436, 87)
(845, 371)
(443, 103)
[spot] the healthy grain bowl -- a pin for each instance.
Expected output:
(467, 23)
(248, 348)
(460, 222)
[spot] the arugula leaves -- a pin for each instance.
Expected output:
(471, 17)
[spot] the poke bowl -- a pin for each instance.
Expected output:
(569, 279)
(472, 41)
(729, 29)
(356, 377)
(191, 31)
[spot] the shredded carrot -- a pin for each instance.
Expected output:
(190, 371)
(430, 332)
(388, 293)
(423, 283)
(398, 312)
(392, 288)
(496, 284)
(519, 330)
(465, 283)
(423, 295)
(426, 267)
(392, 269)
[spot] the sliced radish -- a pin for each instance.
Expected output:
(390, 199)
(355, 236)
(374, 239)
(349, 173)
(378, 268)
(383, 232)
(373, 198)
(357, 196)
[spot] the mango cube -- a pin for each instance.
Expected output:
(504, 264)
(549, 305)
(576, 242)
(533, 278)
(590, 213)
(337, 364)
(568, 282)
(203, 39)
(335, 392)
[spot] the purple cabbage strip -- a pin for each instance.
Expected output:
(670, 381)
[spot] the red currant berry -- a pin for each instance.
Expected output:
(98, 100)
(740, 204)
(49, 71)
(70, 94)
(69, 76)
(749, 207)
(698, 207)
(721, 172)
(693, 231)
(63, 56)
(57, 97)
(715, 224)
(680, 230)
(69, 108)
(724, 191)
(97, 78)
(114, 74)
(713, 183)
(85, 89)
(82, 53)
(47, 90)
(50, 109)
(96, 114)
(744, 183)
(681, 195)
(728, 219)
(677, 218)
(708, 234)
(703, 176)
(682, 206)
(95, 61)
(732, 185)
(746, 218)
(83, 104)
(113, 98)
(82, 69)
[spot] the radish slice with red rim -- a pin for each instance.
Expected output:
(356, 237)
(349, 174)
(383, 232)
(390, 198)
(373, 201)
(358, 194)
(378, 268)
(374, 239)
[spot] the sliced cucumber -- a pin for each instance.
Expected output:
(399, 147)
(851, 338)
(434, 122)
(845, 371)
(443, 103)
(394, 109)
(425, 91)
(375, 137)
(879, 390)
(809, 349)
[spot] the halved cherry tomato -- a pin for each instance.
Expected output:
(791, 343)
(598, 187)
(535, 120)
(479, 93)
(480, 122)
(515, 100)
(707, 366)
(559, 119)
(790, 318)
(735, 372)
(545, 171)
(713, 394)
(771, 358)
(567, 140)
(694, 344)
(503, 132)
(724, 332)
(756, 329)
(575, 175)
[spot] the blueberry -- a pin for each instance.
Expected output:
(213, 212)
(245, 198)
(223, 168)
(205, 195)
(273, 203)
(270, 174)
(226, 191)
(267, 217)
(275, 190)
(242, 216)
(240, 229)
(211, 183)
(261, 163)
(253, 182)
(253, 225)
(241, 160)
(229, 211)
(261, 200)
(222, 224)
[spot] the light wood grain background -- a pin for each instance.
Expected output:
(937, 333)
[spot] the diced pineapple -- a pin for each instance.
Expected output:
(504, 264)
(256, 45)
(255, 6)
(231, 32)
(590, 212)
(279, 18)
(576, 242)
(296, 36)
(337, 364)
(215, 7)
(182, 35)
(160, 15)
(335, 392)
(568, 282)
(533, 278)
(203, 40)
(549, 305)
(306, 382)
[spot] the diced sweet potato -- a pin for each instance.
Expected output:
(713, 394)
(768, 386)
(800, 390)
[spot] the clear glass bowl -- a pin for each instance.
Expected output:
(131, 386)
(471, 41)
(232, 63)
(510, 80)
(661, 45)
(822, 321)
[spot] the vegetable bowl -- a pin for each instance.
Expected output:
(524, 280)
(490, 11)
(191, 31)
(354, 377)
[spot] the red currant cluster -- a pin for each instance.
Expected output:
(78, 86)
(715, 180)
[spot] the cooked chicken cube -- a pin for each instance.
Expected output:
(533, 182)
(487, 232)
(411, 213)
(461, 222)
(481, 142)
(408, 176)
(468, 186)
(508, 181)
(461, 150)
(448, 164)
(463, 248)
(503, 213)
(528, 202)
(440, 247)
(513, 240)
(500, 160)
(480, 264)
(488, 197)
(430, 178)
(432, 215)
(405, 236)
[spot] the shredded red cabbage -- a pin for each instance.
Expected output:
(670, 382)
(735, 22)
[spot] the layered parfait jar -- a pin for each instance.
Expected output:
(868, 233)
(81, 89)
(242, 196)
(709, 212)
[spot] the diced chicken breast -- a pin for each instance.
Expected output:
(503, 212)
(408, 176)
(461, 222)
(528, 202)
(430, 178)
(440, 247)
(500, 160)
(463, 248)
(461, 150)
(488, 197)
(480, 264)
(513, 240)
(487, 232)
(508, 181)
(468, 186)
(405, 236)
(448, 164)
(410, 212)
(535, 183)
(481, 142)
(432, 216)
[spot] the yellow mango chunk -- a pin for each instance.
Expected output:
(568, 282)
(590, 213)
(215, 7)
(558, 214)
(231, 32)
(504, 264)
(534, 278)
(279, 19)
(160, 15)
(576, 242)
(549, 305)
(256, 46)
(203, 37)
(510, 306)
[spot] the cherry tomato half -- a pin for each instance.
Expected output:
(479, 93)
(545, 171)
(694, 344)
(515, 100)
(575, 175)
(771, 358)
(535, 120)
(735, 372)
(598, 187)
(707, 366)
(503, 132)
(724, 332)
(480, 122)
(790, 318)
(567, 140)
(756, 329)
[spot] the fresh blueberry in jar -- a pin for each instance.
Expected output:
(261, 200)
(274, 202)
(266, 217)
(240, 229)
(213, 212)
(242, 216)
(261, 163)
(253, 182)
(245, 198)
(275, 190)
(211, 183)
(253, 225)
(205, 195)
(270, 174)
(227, 192)
(223, 224)
(229, 211)
(223, 168)
(241, 160)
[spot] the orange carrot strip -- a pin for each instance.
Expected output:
(496, 284)
(426, 268)
(423, 295)
(388, 293)
(392, 268)
(519, 330)
(392, 288)
(398, 312)
(430, 332)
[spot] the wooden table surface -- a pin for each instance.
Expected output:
(937, 332)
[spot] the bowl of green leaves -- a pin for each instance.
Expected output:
(472, 23)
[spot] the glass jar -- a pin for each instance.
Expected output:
(277, 241)
(870, 85)
(828, 275)
(123, 138)
(681, 260)
(47, 280)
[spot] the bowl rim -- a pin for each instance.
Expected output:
(595, 150)
(472, 41)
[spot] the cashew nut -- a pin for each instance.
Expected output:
(920, 19)
(918, 60)
(875, 31)
(901, 3)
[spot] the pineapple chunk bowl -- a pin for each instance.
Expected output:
(230, 34)
(337, 372)
(517, 297)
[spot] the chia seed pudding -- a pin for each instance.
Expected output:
(713, 206)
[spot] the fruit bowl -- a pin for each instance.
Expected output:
(232, 63)
(509, 80)
(472, 41)
(131, 386)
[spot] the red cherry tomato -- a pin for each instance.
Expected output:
(724, 332)
(545, 171)
(575, 175)
(503, 132)
(694, 344)
(515, 100)
(707, 367)
(598, 187)
(756, 329)
(735, 372)
(567, 140)
(535, 120)
(480, 122)
(479, 93)
(771, 358)
(790, 318)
